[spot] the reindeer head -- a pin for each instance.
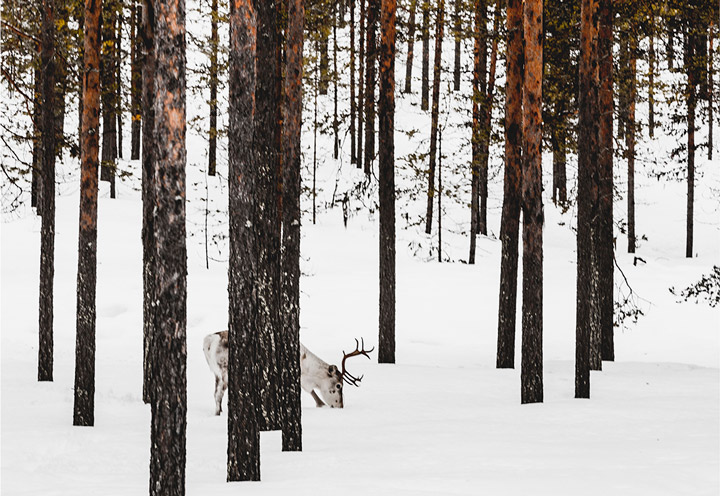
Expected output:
(331, 387)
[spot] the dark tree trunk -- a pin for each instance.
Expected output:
(558, 141)
(136, 59)
(630, 140)
(268, 97)
(691, 57)
(531, 373)
(361, 82)
(478, 78)
(292, 217)
(457, 32)
(711, 89)
(84, 406)
(425, 32)
(586, 195)
(147, 35)
(108, 81)
(244, 368)
(169, 363)
(651, 77)
(36, 181)
(510, 221)
(386, 105)
(437, 70)
(118, 78)
(605, 245)
(48, 137)
(214, 42)
(411, 47)
(370, 83)
(325, 49)
(336, 122)
(353, 102)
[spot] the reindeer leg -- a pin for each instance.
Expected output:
(219, 391)
(318, 402)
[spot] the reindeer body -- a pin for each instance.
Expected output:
(315, 374)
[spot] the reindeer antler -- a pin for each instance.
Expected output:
(359, 350)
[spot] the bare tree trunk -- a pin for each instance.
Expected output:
(169, 363)
(48, 138)
(108, 81)
(605, 246)
(268, 97)
(510, 222)
(370, 83)
(651, 76)
(711, 35)
(147, 35)
(386, 106)
(353, 102)
(586, 195)
(361, 82)
(292, 217)
(411, 47)
(691, 63)
(630, 140)
(84, 400)
(118, 76)
(136, 59)
(336, 123)
(457, 33)
(478, 77)
(36, 180)
(437, 70)
(425, 91)
(531, 373)
(214, 43)
(244, 369)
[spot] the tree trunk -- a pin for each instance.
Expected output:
(169, 363)
(691, 65)
(266, 126)
(136, 58)
(370, 83)
(425, 32)
(48, 137)
(457, 32)
(292, 217)
(586, 195)
(651, 77)
(605, 245)
(386, 105)
(361, 82)
(411, 47)
(147, 35)
(353, 102)
(36, 180)
(108, 81)
(325, 50)
(84, 406)
(478, 77)
(532, 307)
(437, 70)
(630, 140)
(214, 43)
(559, 148)
(711, 35)
(244, 366)
(510, 221)
(118, 79)
(336, 122)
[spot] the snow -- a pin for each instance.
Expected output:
(442, 420)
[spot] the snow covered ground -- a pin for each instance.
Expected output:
(442, 420)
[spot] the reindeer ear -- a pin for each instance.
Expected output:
(331, 370)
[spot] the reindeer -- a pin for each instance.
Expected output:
(315, 374)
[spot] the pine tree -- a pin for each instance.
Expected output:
(410, 48)
(386, 107)
(214, 45)
(169, 360)
(108, 87)
(510, 222)
(244, 368)
(425, 33)
(136, 62)
(370, 83)
(84, 407)
(437, 70)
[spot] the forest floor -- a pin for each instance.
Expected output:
(442, 420)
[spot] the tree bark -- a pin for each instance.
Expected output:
(478, 76)
(711, 83)
(214, 43)
(437, 70)
(336, 122)
(244, 367)
(169, 364)
(84, 405)
(510, 222)
(586, 195)
(268, 98)
(386, 105)
(605, 244)
(370, 83)
(425, 33)
(457, 32)
(108, 82)
(531, 372)
(651, 76)
(292, 220)
(48, 138)
(411, 47)
(630, 140)
(692, 70)
(353, 102)
(136, 58)
(361, 82)
(118, 79)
